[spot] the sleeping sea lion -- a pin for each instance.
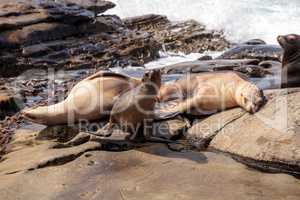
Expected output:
(290, 76)
(91, 99)
(208, 93)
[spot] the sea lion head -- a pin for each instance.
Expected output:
(291, 46)
(250, 97)
(153, 77)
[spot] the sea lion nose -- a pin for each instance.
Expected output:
(279, 38)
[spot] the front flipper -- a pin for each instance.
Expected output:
(105, 131)
(166, 110)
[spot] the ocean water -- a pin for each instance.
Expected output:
(240, 20)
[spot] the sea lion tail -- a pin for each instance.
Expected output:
(46, 115)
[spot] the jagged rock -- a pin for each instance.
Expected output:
(37, 33)
(253, 71)
(18, 15)
(268, 140)
(188, 36)
(48, 34)
(261, 52)
(97, 6)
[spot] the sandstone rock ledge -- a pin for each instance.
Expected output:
(39, 168)
(268, 140)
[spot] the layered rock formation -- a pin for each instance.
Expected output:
(188, 37)
(66, 35)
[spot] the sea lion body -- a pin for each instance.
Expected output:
(208, 93)
(91, 99)
(290, 76)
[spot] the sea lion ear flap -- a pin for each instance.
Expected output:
(159, 71)
(146, 76)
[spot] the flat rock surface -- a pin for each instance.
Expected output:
(149, 172)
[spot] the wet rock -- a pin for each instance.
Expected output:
(253, 71)
(208, 66)
(206, 57)
(261, 52)
(60, 35)
(38, 33)
(255, 42)
(147, 173)
(268, 140)
(97, 6)
(188, 36)
(9, 104)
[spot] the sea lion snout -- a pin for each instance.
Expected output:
(280, 39)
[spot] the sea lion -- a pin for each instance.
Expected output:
(133, 111)
(91, 99)
(208, 93)
(290, 76)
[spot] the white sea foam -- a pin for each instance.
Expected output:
(240, 19)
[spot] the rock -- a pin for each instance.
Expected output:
(171, 129)
(188, 36)
(97, 6)
(253, 71)
(38, 33)
(30, 14)
(65, 35)
(208, 65)
(149, 172)
(206, 57)
(261, 52)
(9, 105)
(202, 132)
(255, 42)
(268, 140)
(146, 22)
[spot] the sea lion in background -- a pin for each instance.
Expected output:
(208, 93)
(90, 99)
(133, 111)
(290, 76)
